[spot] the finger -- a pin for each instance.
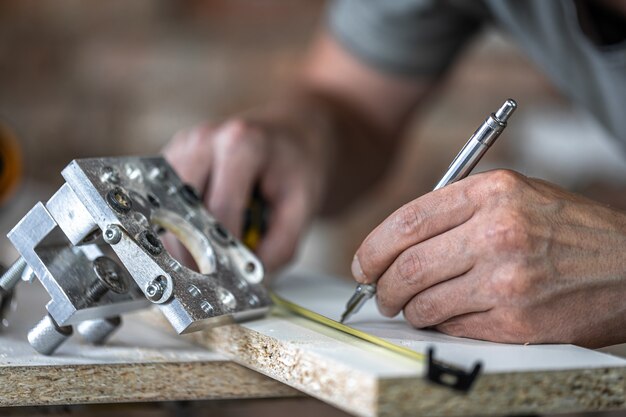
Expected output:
(239, 154)
(189, 153)
(287, 224)
(421, 219)
(479, 325)
(426, 264)
(441, 302)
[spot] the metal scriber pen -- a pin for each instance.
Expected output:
(460, 168)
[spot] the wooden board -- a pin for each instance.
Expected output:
(367, 380)
(140, 363)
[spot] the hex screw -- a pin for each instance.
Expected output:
(112, 234)
(119, 201)
(110, 278)
(11, 277)
(156, 288)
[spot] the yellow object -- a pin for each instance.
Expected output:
(10, 163)
(252, 238)
(318, 318)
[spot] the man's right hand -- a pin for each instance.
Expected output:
(224, 162)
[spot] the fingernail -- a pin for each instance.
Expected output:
(357, 271)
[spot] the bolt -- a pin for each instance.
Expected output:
(11, 277)
(110, 278)
(119, 201)
(156, 288)
(113, 234)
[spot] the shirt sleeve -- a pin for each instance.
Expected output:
(409, 37)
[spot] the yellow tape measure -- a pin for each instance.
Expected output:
(318, 318)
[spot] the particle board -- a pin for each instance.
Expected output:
(367, 380)
(140, 363)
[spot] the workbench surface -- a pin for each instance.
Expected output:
(139, 363)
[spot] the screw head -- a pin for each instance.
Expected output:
(157, 173)
(111, 275)
(156, 288)
(119, 201)
(112, 234)
(110, 175)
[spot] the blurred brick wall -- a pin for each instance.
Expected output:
(107, 78)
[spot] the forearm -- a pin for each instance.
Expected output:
(355, 112)
(356, 151)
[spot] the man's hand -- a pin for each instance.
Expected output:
(224, 163)
(502, 257)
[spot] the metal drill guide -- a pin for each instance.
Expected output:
(95, 247)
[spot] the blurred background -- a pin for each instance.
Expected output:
(84, 79)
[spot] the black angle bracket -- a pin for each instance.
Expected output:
(449, 376)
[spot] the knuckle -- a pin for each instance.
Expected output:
(423, 311)
(503, 181)
(239, 133)
(409, 218)
(409, 267)
(509, 231)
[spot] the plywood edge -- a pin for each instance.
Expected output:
(318, 376)
(508, 393)
(134, 382)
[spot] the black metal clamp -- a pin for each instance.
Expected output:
(448, 376)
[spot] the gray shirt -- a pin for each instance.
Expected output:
(422, 37)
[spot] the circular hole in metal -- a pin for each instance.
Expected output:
(153, 200)
(184, 242)
(150, 242)
(189, 194)
(250, 267)
(220, 234)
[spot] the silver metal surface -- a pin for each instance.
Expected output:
(102, 225)
(362, 293)
(46, 337)
(461, 166)
(99, 331)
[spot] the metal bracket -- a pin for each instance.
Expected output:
(95, 247)
(448, 376)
